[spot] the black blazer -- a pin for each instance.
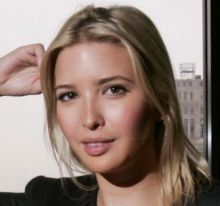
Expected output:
(42, 191)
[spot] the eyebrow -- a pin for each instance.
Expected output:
(99, 82)
(109, 79)
(65, 86)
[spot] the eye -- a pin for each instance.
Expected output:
(66, 96)
(115, 90)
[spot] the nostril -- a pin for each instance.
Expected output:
(95, 126)
(93, 119)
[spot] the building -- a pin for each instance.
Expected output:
(190, 93)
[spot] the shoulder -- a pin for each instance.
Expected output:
(9, 198)
(210, 195)
(58, 191)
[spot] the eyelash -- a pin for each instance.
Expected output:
(70, 95)
(115, 90)
(120, 90)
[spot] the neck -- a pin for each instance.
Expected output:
(135, 184)
(144, 192)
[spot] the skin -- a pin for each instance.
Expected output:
(20, 71)
(100, 99)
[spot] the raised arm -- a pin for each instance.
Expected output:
(20, 71)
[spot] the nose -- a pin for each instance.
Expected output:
(93, 118)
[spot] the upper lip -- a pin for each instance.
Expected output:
(88, 140)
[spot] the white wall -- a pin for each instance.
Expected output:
(23, 153)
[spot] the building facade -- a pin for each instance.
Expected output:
(190, 91)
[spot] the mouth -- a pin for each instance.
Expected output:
(97, 146)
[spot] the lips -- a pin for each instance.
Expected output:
(97, 146)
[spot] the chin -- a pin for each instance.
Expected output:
(101, 166)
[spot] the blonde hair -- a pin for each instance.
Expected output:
(183, 169)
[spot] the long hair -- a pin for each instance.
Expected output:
(182, 168)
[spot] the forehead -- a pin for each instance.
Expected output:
(93, 60)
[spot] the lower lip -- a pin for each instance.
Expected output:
(97, 149)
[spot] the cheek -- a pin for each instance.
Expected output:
(67, 122)
(127, 118)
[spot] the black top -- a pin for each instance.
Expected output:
(42, 191)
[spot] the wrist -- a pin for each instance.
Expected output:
(4, 64)
(3, 77)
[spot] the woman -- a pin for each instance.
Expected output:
(112, 110)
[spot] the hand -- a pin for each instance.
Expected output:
(20, 71)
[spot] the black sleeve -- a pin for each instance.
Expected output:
(38, 192)
(13, 199)
(44, 191)
(210, 195)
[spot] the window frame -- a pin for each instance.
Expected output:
(211, 74)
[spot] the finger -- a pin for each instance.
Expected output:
(28, 59)
(36, 50)
(39, 51)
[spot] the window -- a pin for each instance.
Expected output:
(192, 128)
(192, 110)
(185, 110)
(185, 96)
(201, 128)
(184, 83)
(193, 36)
(185, 125)
(201, 110)
(191, 96)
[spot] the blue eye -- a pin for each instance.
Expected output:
(67, 96)
(115, 90)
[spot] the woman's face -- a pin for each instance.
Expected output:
(101, 108)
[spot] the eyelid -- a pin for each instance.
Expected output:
(120, 86)
(60, 91)
(62, 95)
